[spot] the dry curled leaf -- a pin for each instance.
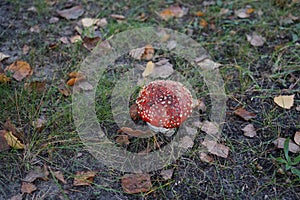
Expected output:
(37, 173)
(241, 112)
(60, 176)
(215, 148)
(146, 52)
(13, 141)
(122, 140)
(279, 143)
(285, 101)
(297, 137)
(71, 13)
(84, 178)
(173, 11)
(203, 23)
(21, 70)
(3, 143)
(149, 68)
(117, 16)
(136, 183)
(249, 131)
(255, 39)
(167, 174)
(28, 187)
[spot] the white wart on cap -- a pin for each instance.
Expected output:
(164, 104)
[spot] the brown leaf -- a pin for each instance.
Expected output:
(241, 112)
(37, 173)
(200, 14)
(71, 13)
(149, 68)
(3, 143)
(242, 13)
(116, 16)
(64, 40)
(28, 188)
(297, 137)
(136, 183)
(75, 77)
(59, 175)
(173, 11)
(148, 53)
(203, 23)
(135, 133)
(167, 174)
(3, 56)
(279, 143)
(64, 90)
(4, 78)
(285, 101)
(133, 112)
(255, 39)
(13, 141)
(137, 53)
(21, 70)
(37, 86)
(90, 43)
(249, 131)
(84, 178)
(216, 148)
(206, 158)
(122, 140)
(210, 128)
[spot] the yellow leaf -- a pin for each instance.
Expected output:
(199, 14)
(13, 141)
(149, 69)
(203, 23)
(250, 10)
(285, 101)
(4, 79)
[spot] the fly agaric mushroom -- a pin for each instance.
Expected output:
(164, 105)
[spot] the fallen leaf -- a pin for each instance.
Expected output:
(17, 197)
(32, 9)
(186, 142)
(279, 143)
(148, 53)
(206, 158)
(215, 148)
(4, 78)
(255, 39)
(298, 108)
(173, 11)
(149, 68)
(88, 22)
(241, 112)
(3, 56)
(167, 174)
(79, 30)
(171, 45)
(83, 85)
(122, 140)
(39, 124)
(250, 10)
(3, 143)
(223, 11)
(249, 131)
(59, 175)
(102, 22)
(297, 137)
(64, 90)
(53, 20)
(75, 38)
(71, 13)
(135, 133)
(64, 40)
(285, 101)
(210, 128)
(28, 188)
(37, 86)
(200, 14)
(137, 53)
(206, 63)
(199, 104)
(13, 141)
(203, 23)
(25, 49)
(35, 29)
(242, 13)
(116, 16)
(136, 183)
(84, 178)
(90, 43)
(75, 77)
(162, 69)
(37, 173)
(290, 19)
(21, 70)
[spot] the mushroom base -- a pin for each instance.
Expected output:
(167, 131)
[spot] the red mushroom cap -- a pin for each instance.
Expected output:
(164, 103)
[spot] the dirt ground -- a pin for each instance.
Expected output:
(253, 76)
